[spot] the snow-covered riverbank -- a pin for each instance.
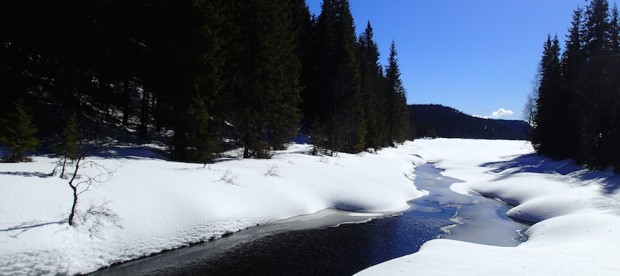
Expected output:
(576, 214)
(150, 205)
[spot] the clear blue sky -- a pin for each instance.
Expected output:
(474, 55)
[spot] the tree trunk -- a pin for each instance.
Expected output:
(75, 193)
(64, 164)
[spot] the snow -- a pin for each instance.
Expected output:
(149, 204)
(575, 212)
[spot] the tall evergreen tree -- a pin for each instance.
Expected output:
(615, 87)
(396, 102)
(372, 88)
(263, 89)
(572, 94)
(597, 141)
(547, 119)
(340, 122)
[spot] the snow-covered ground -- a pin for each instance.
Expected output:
(576, 214)
(147, 205)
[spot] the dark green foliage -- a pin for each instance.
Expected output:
(206, 75)
(18, 132)
(68, 145)
(547, 122)
(577, 113)
(572, 91)
(263, 84)
(372, 89)
(397, 114)
(340, 110)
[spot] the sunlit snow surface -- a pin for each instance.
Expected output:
(162, 205)
(576, 214)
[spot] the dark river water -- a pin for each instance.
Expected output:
(314, 245)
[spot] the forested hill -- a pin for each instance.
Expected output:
(433, 120)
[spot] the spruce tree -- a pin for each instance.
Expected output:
(263, 83)
(67, 147)
(396, 102)
(546, 134)
(372, 88)
(202, 114)
(568, 104)
(18, 132)
(340, 120)
(597, 141)
(615, 87)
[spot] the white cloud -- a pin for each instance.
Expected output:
(501, 113)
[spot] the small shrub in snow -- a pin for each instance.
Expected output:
(228, 177)
(272, 171)
(96, 216)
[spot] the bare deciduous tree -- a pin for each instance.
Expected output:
(83, 183)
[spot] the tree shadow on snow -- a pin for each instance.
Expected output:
(21, 228)
(533, 163)
(127, 152)
(28, 174)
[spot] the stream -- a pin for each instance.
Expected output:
(334, 242)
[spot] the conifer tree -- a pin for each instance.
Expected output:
(372, 88)
(341, 114)
(568, 103)
(597, 140)
(396, 102)
(18, 132)
(202, 114)
(615, 87)
(263, 88)
(547, 119)
(67, 147)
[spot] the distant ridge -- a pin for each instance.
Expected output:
(433, 120)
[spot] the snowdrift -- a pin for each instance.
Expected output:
(149, 205)
(575, 212)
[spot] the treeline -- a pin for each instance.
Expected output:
(220, 74)
(433, 120)
(577, 110)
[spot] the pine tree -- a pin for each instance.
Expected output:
(615, 87)
(597, 141)
(18, 132)
(68, 147)
(546, 134)
(396, 102)
(202, 114)
(340, 115)
(372, 88)
(568, 104)
(263, 76)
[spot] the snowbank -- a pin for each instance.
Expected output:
(150, 205)
(576, 214)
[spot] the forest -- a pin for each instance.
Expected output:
(204, 76)
(433, 120)
(576, 107)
